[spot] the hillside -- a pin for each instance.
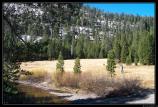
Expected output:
(90, 20)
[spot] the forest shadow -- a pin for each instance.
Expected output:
(22, 98)
(143, 93)
(32, 95)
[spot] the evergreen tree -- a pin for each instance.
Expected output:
(117, 49)
(129, 57)
(124, 54)
(60, 63)
(111, 65)
(77, 66)
(79, 49)
(101, 53)
(96, 50)
(136, 60)
(144, 49)
(134, 47)
(151, 40)
(50, 50)
(54, 46)
(129, 60)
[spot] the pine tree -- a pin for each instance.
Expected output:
(124, 54)
(96, 50)
(144, 49)
(53, 47)
(49, 50)
(124, 47)
(101, 53)
(79, 49)
(111, 65)
(117, 49)
(60, 63)
(151, 40)
(128, 60)
(77, 66)
(136, 60)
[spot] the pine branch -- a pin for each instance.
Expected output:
(14, 31)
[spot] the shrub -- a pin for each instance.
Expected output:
(105, 87)
(70, 80)
(66, 79)
(102, 86)
(10, 75)
(125, 87)
(57, 78)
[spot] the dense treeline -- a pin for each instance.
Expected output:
(131, 37)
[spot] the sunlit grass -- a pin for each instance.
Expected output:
(37, 74)
(97, 67)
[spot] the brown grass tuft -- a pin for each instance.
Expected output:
(66, 79)
(102, 86)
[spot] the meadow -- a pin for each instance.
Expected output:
(92, 70)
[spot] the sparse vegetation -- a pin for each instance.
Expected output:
(102, 86)
(125, 87)
(57, 78)
(65, 79)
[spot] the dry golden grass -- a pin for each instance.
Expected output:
(36, 73)
(97, 69)
(102, 86)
